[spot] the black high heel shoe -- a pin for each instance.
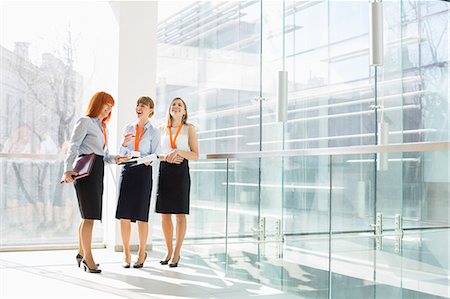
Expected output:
(79, 257)
(125, 264)
(174, 264)
(86, 268)
(164, 262)
(140, 265)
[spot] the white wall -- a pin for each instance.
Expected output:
(136, 77)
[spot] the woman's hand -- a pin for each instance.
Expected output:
(178, 159)
(171, 156)
(174, 157)
(127, 138)
(120, 159)
(68, 176)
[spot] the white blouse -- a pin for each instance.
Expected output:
(182, 142)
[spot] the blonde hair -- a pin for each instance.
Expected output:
(185, 116)
(147, 101)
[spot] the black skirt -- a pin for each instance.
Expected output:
(135, 192)
(90, 191)
(174, 188)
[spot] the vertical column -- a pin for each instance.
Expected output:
(137, 23)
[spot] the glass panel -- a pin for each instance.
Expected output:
(208, 194)
(352, 266)
(359, 271)
(243, 217)
(425, 263)
(35, 207)
(306, 225)
(254, 249)
(390, 271)
(50, 65)
(207, 217)
(209, 54)
(272, 62)
(430, 20)
(389, 112)
(305, 261)
(352, 210)
(353, 193)
(306, 205)
(426, 250)
(424, 54)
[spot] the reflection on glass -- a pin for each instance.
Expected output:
(47, 68)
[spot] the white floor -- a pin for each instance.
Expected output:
(54, 274)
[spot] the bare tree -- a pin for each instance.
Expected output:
(54, 86)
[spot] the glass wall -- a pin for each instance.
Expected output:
(304, 224)
(209, 54)
(226, 69)
(50, 65)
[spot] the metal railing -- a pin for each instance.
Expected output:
(364, 149)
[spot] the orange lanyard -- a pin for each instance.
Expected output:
(138, 138)
(104, 134)
(173, 141)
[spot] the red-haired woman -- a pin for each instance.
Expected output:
(90, 136)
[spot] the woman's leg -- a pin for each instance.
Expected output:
(181, 232)
(167, 227)
(86, 241)
(143, 234)
(125, 231)
(80, 250)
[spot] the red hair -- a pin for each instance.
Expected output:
(96, 105)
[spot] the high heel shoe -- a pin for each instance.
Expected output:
(174, 264)
(86, 268)
(140, 265)
(125, 265)
(79, 257)
(164, 262)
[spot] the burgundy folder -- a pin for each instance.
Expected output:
(83, 165)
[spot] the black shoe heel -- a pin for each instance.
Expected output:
(174, 264)
(86, 268)
(125, 265)
(140, 265)
(164, 262)
(79, 257)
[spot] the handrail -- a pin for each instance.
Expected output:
(351, 150)
(32, 156)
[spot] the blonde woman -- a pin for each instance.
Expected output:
(178, 145)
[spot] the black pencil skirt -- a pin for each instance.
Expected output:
(135, 192)
(174, 188)
(90, 191)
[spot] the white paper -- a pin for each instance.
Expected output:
(150, 158)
